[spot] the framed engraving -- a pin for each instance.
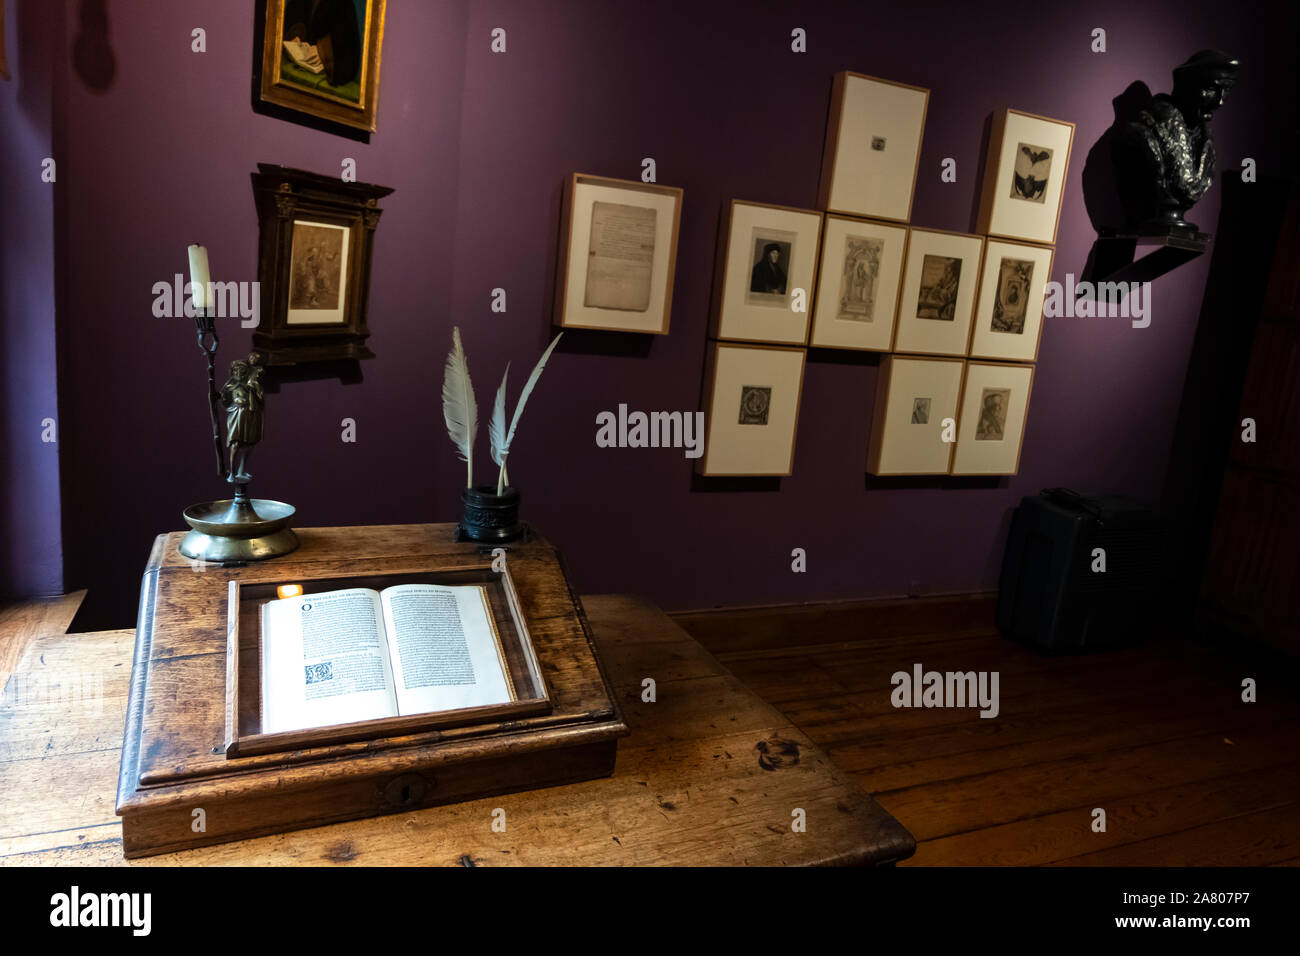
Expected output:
(1024, 176)
(991, 424)
(938, 292)
(752, 410)
(1009, 313)
(766, 273)
(314, 252)
(873, 146)
(319, 59)
(858, 284)
(916, 406)
(620, 242)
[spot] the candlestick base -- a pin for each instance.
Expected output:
(237, 530)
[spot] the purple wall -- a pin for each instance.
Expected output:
(476, 145)
(31, 557)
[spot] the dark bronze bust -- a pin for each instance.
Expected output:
(1165, 156)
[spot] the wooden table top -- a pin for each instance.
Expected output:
(711, 775)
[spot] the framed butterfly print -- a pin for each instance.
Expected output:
(1024, 176)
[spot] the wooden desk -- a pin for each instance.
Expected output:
(692, 784)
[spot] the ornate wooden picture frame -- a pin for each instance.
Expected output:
(320, 60)
(314, 252)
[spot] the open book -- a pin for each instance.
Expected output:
(358, 654)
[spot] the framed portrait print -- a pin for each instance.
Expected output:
(767, 273)
(314, 253)
(991, 424)
(938, 293)
(620, 242)
(752, 411)
(857, 284)
(873, 146)
(914, 396)
(321, 58)
(1024, 176)
(1009, 312)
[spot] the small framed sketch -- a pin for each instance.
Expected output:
(767, 273)
(621, 242)
(938, 294)
(1024, 176)
(1009, 314)
(873, 146)
(991, 426)
(320, 60)
(752, 411)
(916, 400)
(316, 235)
(857, 284)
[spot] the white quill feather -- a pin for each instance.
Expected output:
(503, 449)
(458, 406)
(497, 424)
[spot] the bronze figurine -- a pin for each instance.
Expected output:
(1165, 157)
(244, 401)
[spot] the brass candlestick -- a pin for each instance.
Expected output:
(239, 529)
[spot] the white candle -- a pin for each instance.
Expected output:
(199, 275)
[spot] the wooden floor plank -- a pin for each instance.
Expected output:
(1247, 840)
(1156, 734)
(1069, 833)
(23, 621)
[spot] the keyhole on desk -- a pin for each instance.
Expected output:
(405, 791)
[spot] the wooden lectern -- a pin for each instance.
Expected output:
(197, 770)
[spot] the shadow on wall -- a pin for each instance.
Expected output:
(1101, 190)
(92, 55)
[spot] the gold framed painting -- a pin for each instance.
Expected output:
(322, 58)
(938, 295)
(766, 273)
(1024, 176)
(619, 239)
(873, 147)
(753, 410)
(991, 425)
(916, 400)
(1009, 313)
(858, 284)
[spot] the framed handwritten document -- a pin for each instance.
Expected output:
(621, 242)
